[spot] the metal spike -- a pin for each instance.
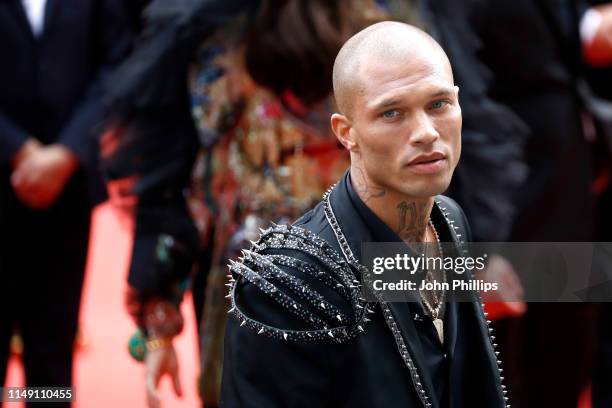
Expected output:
(360, 328)
(339, 318)
(330, 334)
(231, 310)
(284, 335)
(260, 331)
(243, 323)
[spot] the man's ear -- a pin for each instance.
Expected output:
(341, 126)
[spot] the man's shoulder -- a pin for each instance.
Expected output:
(314, 220)
(294, 285)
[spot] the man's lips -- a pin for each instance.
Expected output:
(427, 163)
(427, 158)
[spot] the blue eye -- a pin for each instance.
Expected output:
(439, 104)
(391, 114)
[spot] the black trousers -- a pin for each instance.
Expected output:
(42, 262)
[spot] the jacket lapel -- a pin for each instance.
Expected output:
(21, 17)
(356, 233)
(51, 10)
(404, 319)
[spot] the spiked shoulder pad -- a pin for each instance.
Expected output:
(307, 279)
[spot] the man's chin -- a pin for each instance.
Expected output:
(425, 188)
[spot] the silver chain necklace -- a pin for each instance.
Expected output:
(436, 308)
(388, 315)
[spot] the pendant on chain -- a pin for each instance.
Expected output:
(439, 325)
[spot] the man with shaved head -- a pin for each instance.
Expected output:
(303, 332)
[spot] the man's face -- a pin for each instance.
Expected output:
(406, 122)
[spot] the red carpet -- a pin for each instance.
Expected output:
(105, 374)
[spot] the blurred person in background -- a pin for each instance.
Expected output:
(55, 56)
(226, 78)
(599, 75)
(534, 49)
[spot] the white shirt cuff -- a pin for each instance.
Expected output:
(589, 25)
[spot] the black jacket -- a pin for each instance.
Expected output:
(367, 371)
(51, 87)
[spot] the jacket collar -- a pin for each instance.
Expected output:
(356, 230)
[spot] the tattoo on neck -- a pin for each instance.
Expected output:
(412, 221)
(364, 189)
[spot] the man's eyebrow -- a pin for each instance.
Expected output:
(392, 101)
(385, 103)
(442, 92)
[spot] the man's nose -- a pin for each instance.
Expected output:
(424, 131)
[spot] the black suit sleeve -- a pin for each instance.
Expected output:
(11, 137)
(112, 41)
(157, 150)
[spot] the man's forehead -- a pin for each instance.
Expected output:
(383, 80)
(383, 53)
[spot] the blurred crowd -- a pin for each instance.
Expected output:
(209, 119)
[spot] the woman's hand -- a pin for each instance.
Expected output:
(160, 360)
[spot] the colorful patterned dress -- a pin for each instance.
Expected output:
(266, 158)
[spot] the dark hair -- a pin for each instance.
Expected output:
(293, 44)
